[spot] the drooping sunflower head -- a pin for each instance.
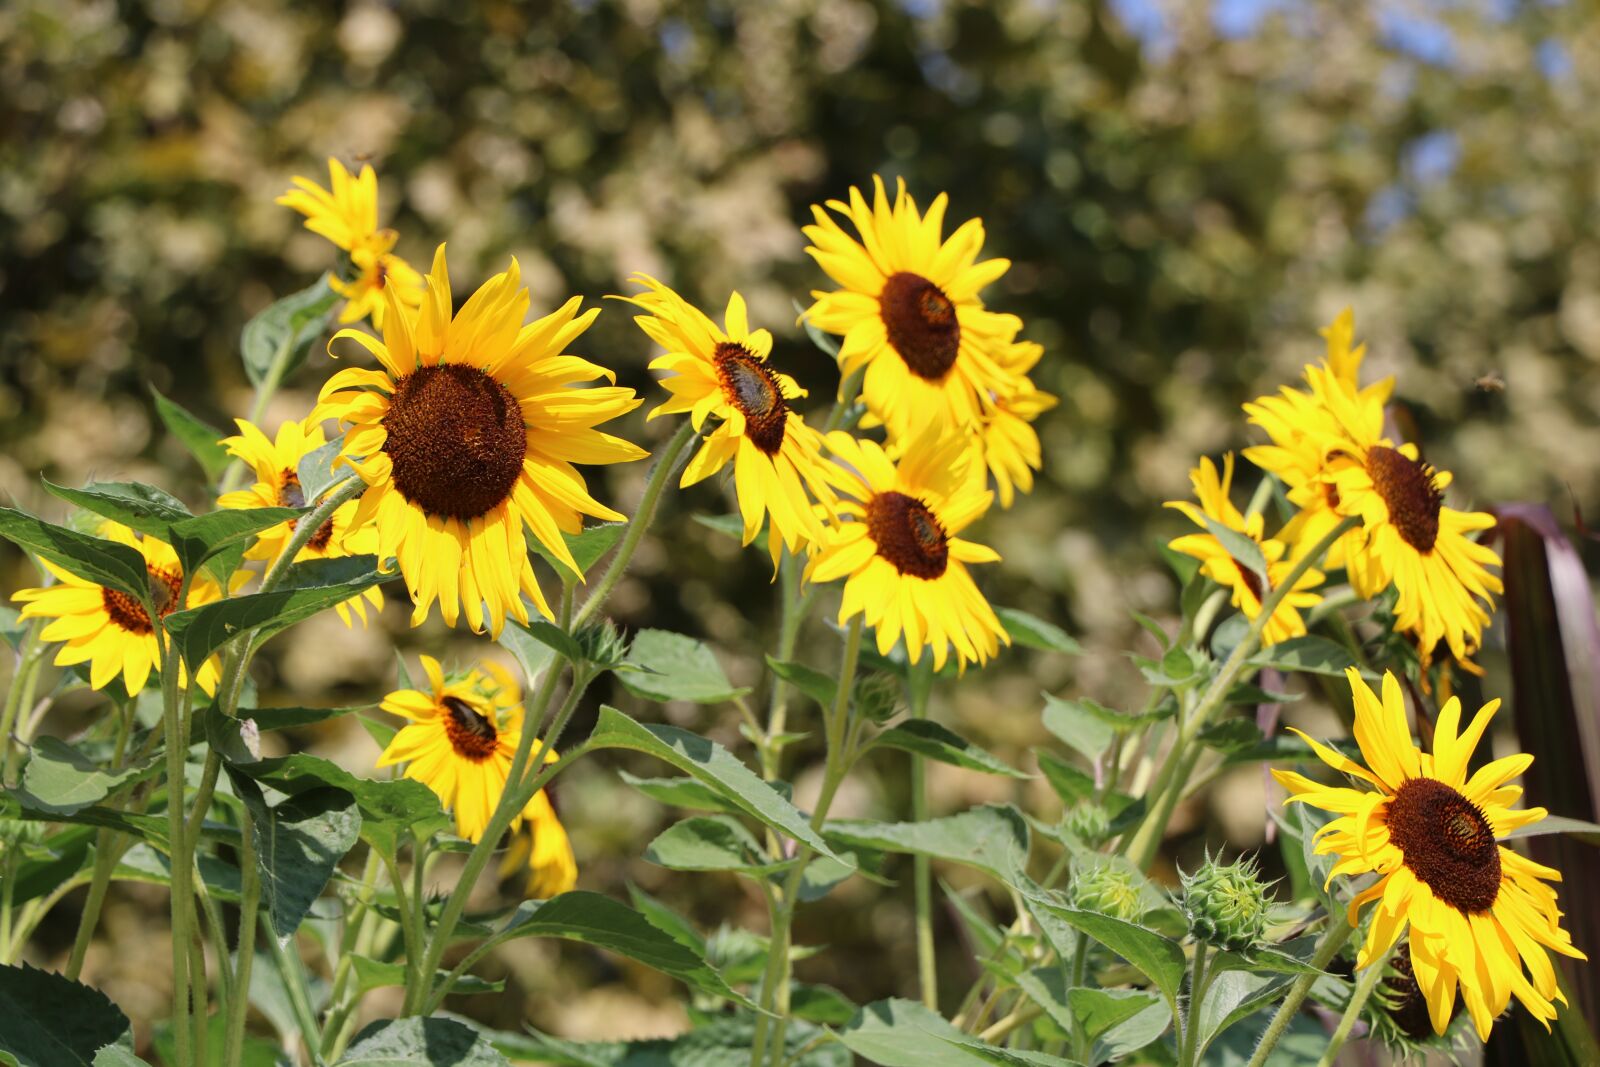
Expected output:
(110, 630)
(460, 737)
(1481, 916)
(724, 372)
(908, 309)
(1249, 593)
(470, 434)
(346, 212)
(276, 463)
(897, 548)
(1005, 438)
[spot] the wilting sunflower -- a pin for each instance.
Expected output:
(1303, 431)
(1478, 912)
(110, 630)
(1005, 438)
(1218, 564)
(1409, 537)
(460, 740)
(346, 213)
(545, 852)
(276, 464)
(905, 569)
(909, 312)
(467, 435)
(777, 459)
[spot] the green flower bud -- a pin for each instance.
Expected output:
(1088, 821)
(1108, 890)
(1226, 905)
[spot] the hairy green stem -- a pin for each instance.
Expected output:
(356, 940)
(922, 869)
(666, 466)
(182, 858)
(1333, 939)
(249, 904)
(775, 980)
(1181, 760)
(1197, 992)
(1358, 1000)
(293, 973)
(105, 857)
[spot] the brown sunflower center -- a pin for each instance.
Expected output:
(456, 438)
(1447, 843)
(1409, 488)
(290, 495)
(1408, 1005)
(752, 388)
(908, 534)
(921, 323)
(129, 615)
(471, 733)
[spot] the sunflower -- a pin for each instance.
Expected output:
(460, 739)
(1005, 439)
(346, 213)
(276, 464)
(545, 852)
(905, 570)
(110, 630)
(909, 312)
(1218, 564)
(1408, 537)
(1481, 917)
(777, 459)
(467, 435)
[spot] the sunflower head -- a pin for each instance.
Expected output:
(908, 309)
(461, 734)
(1482, 918)
(1004, 438)
(1226, 904)
(898, 546)
(1107, 889)
(110, 630)
(346, 212)
(469, 435)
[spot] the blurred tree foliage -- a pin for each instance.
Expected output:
(1186, 191)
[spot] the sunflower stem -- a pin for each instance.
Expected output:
(1197, 992)
(20, 693)
(1352, 1012)
(922, 873)
(1184, 754)
(655, 485)
(105, 856)
(1333, 939)
(182, 855)
(245, 952)
(774, 1000)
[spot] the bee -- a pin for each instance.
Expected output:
(1491, 382)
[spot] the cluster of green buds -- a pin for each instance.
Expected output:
(1226, 904)
(1108, 890)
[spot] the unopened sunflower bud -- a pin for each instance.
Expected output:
(1108, 890)
(1226, 905)
(1089, 821)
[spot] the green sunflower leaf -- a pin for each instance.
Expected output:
(63, 780)
(993, 838)
(672, 666)
(202, 537)
(1244, 549)
(390, 808)
(711, 764)
(312, 586)
(47, 1020)
(275, 342)
(710, 843)
(140, 507)
(587, 547)
(605, 923)
(936, 742)
(203, 441)
(110, 564)
(813, 683)
(1159, 958)
(315, 471)
(1033, 632)
(299, 843)
(903, 1033)
(421, 1043)
(1309, 654)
